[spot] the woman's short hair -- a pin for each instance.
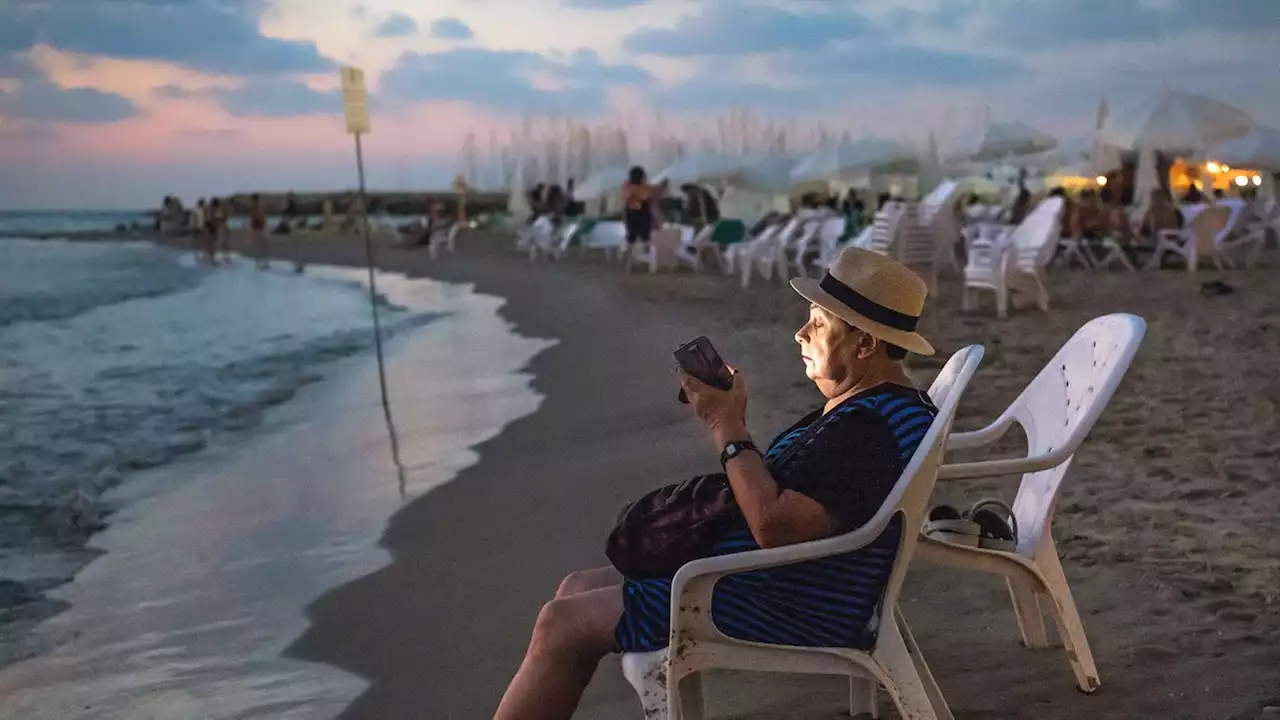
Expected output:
(636, 175)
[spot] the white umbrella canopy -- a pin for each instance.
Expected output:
(1259, 149)
(765, 174)
(1006, 139)
(1174, 121)
(698, 167)
(851, 156)
(602, 183)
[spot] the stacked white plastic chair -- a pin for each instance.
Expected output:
(1018, 262)
(669, 681)
(927, 235)
(886, 228)
(1056, 412)
(805, 239)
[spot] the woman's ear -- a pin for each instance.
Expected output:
(866, 345)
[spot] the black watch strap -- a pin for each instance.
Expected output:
(736, 448)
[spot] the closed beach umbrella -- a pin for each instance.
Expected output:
(1174, 121)
(1260, 149)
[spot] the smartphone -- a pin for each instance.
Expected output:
(698, 358)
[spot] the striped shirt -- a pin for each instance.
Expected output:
(848, 460)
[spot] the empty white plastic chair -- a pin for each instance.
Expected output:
(1196, 240)
(443, 239)
(670, 684)
(543, 237)
(1056, 411)
(1017, 263)
(807, 237)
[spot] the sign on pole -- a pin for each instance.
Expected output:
(355, 101)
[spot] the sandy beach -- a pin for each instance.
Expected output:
(1167, 522)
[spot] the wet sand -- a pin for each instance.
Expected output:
(1167, 523)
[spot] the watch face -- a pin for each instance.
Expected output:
(731, 448)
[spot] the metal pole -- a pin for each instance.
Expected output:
(377, 323)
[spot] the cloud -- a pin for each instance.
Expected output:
(451, 29)
(397, 25)
(603, 4)
(1044, 24)
(735, 27)
(210, 37)
(502, 79)
(838, 75)
(865, 64)
(41, 100)
(172, 92)
(263, 97)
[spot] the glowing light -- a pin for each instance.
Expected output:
(1242, 180)
(1225, 168)
(1212, 167)
(1101, 179)
(1257, 179)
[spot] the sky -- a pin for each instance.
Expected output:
(115, 103)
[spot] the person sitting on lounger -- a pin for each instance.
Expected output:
(827, 474)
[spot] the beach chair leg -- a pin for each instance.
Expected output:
(1002, 303)
(1026, 609)
(904, 682)
(966, 299)
(1067, 618)
(862, 696)
(691, 705)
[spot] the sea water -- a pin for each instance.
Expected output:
(220, 430)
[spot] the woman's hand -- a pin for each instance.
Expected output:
(723, 411)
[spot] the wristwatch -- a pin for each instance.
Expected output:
(736, 448)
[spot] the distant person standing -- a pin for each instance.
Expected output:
(258, 230)
(211, 229)
(637, 204)
(196, 224)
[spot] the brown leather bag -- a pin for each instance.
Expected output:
(670, 526)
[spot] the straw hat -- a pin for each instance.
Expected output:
(874, 294)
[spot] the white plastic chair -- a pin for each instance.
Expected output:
(885, 228)
(670, 686)
(1018, 262)
(829, 234)
(446, 239)
(542, 238)
(809, 232)
(1197, 239)
(739, 255)
(611, 237)
(765, 256)
(1056, 411)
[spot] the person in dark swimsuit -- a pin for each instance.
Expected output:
(637, 213)
(829, 473)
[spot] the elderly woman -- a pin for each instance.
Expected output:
(827, 474)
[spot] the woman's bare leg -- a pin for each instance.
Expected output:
(584, 580)
(570, 637)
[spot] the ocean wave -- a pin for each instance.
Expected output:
(126, 358)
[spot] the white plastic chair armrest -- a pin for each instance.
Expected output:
(1011, 466)
(693, 583)
(984, 436)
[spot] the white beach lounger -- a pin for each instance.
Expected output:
(1056, 412)
(670, 683)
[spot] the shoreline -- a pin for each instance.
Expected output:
(1165, 534)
